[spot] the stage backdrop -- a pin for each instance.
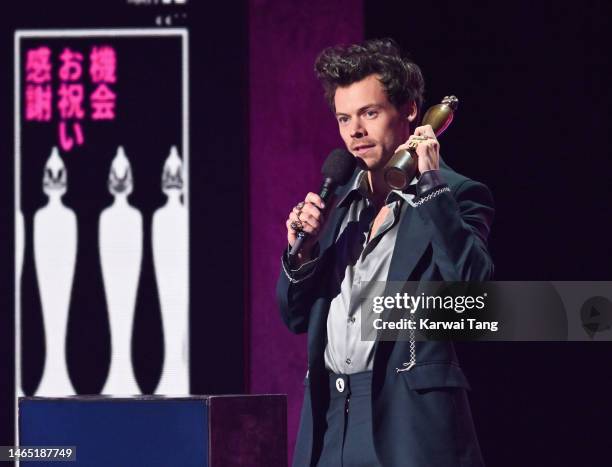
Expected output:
(103, 132)
(102, 211)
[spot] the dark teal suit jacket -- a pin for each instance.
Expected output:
(421, 417)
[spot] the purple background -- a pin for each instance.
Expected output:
(291, 132)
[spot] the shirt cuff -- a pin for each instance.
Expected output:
(429, 180)
(301, 273)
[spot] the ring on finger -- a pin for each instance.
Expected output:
(296, 226)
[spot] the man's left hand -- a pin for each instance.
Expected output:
(426, 146)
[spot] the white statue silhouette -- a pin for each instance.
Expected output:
(170, 256)
(19, 244)
(55, 247)
(120, 238)
(19, 252)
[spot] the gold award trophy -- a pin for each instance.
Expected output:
(402, 167)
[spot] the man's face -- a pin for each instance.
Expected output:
(372, 128)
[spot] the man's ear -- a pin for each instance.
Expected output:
(411, 111)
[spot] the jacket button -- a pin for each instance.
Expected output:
(340, 385)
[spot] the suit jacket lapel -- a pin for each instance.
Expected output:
(331, 229)
(337, 214)
(413, 238)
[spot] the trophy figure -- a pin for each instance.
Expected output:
(170, 256)
(55, 248)
(120, 234)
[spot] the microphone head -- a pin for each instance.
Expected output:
(339, 166)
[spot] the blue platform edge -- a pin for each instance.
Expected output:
(118, 431)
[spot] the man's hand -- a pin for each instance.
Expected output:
(306, 216)
(426, 146)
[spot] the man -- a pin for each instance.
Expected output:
(370, 403)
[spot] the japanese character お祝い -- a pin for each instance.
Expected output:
(70, 101)
(72, 68)
(66, 141)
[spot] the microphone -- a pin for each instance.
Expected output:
(337, 171)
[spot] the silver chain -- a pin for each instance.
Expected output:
(412, 362)
(431, 195)
(409, 364)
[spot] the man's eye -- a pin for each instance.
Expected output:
(342, 120)
(371, 113)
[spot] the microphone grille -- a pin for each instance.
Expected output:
(339, 166)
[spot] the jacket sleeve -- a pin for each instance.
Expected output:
(296, 292)
(461, 221)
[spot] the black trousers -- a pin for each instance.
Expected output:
(348, 440)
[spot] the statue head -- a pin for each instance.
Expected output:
(172, 176)
(120, 181)
(55, 179)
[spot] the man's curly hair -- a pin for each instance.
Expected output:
(346, 64)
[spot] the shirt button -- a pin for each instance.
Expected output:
(351, 319)
(348, 361)
(340, 385)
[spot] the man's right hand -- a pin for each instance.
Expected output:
(306, 216)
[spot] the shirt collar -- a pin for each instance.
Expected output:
(359, 187)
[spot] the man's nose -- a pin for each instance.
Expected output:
(357, 129)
